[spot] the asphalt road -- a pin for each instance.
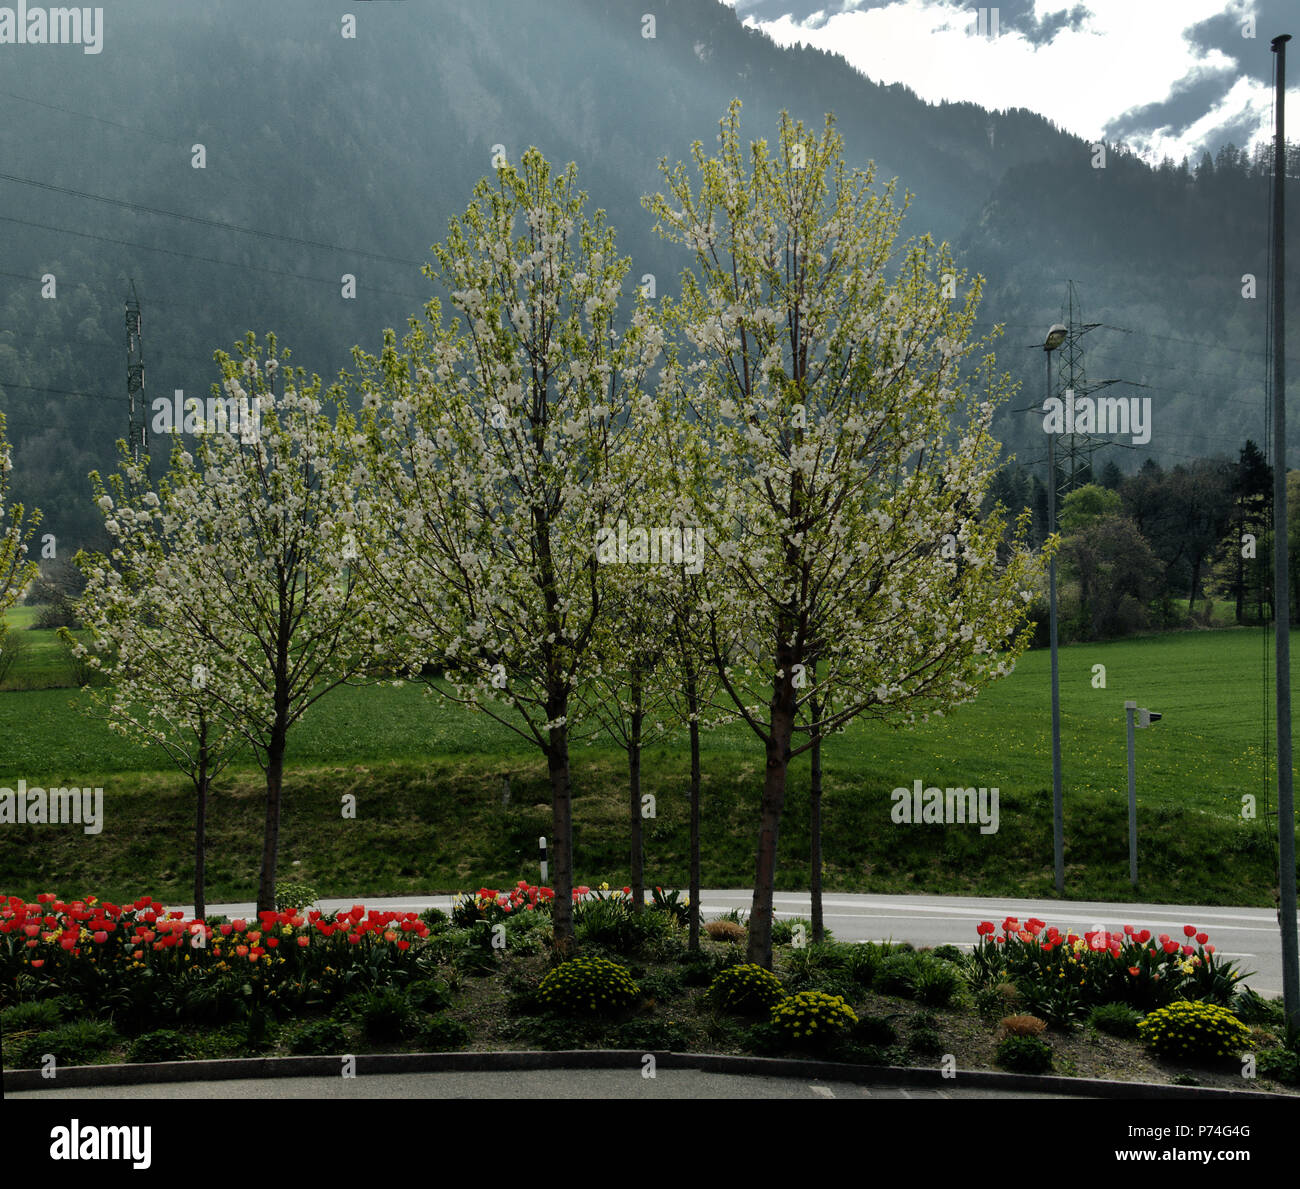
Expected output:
(1249, 936)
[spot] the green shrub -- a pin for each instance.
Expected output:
(1281, 1064)
(70, 1044)
(949, 953)
(613, 925)
(588, 986)
(812, 1018)
(1252, 1008)
(325, 1038)
(650, 1033)
(896, 976)
(822, 966)
(862, 961)
(783, 932)
(925, 1042)
(877, 1031)
(663, 984)
(441, 1034)
(674, 904)
(1024, 1054)
(435, 918)
(294, 895)
(746, 989)
(39, 1015)
(1062, 1005)
(428, 994)
(564, 1032)
(165, 1044)
(935, 982)
(384, 1014)
(1194, 1031)
(701, 967)
(1115, 1019)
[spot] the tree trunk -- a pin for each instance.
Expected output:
(557, 763)
(634, 797)
(693, 706)
(274, 789)
(201, 824)
(778, 760)
(815, 825)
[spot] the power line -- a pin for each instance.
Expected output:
(191, 256)
(199, 219)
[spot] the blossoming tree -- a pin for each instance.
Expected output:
(848, 452)
(163, 672)
(495, 451)
(241, 564)
(15, 531)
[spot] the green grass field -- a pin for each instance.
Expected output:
(427, 775)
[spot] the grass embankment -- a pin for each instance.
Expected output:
(427, 780)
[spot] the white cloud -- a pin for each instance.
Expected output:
(1122, 56)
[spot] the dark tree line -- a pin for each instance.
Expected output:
(1159, 548)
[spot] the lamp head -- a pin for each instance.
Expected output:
(1055, 337)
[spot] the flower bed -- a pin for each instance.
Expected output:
(1062, 976)
(124, 958)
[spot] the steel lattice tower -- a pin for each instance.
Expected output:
(1074, 454)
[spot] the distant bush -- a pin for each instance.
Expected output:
(324, 1038)
(588, 986)
(70, 1044)
(165, 1044)
(1024, 1054)
(1115, 1019)
(747, 989)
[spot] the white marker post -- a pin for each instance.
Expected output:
(542, 845)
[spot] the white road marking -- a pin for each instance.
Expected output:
(824, 1091)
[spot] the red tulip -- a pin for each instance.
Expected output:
(31, 930)
(101, 937)
(1188, 951)
(241, 950)
(32, 943)
(984, 928)
(1143, 937)
(1171, 947)
(37, 963)
(1202, 938)
(273, 942)
(1134, 971)
(403, 944)
(1209, 949)
(239, 926)
(225, 930)
(138, 954)
(1189, 930)
(389, 935)
(68, 942)
(304, 941)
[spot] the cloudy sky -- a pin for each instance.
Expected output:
(1166, 77)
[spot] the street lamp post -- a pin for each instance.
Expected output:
(1055, 337)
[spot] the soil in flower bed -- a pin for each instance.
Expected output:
(498, 1009)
